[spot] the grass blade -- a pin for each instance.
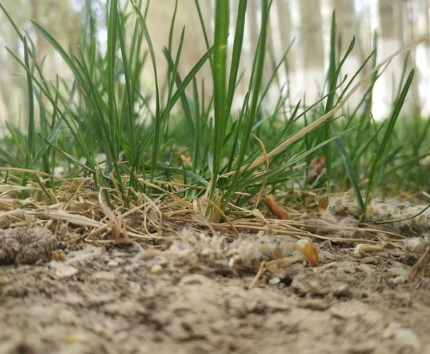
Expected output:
(373, 179)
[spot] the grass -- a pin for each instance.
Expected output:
(235, 157)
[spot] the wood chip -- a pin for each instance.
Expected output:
(275, 208)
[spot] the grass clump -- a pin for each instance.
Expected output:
(145, 134)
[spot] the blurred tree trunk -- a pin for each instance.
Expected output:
(253, 22)
(423, 52)
(391, 20)
(391, 39)
(251, 36)
(347, 28)
(392, 30)
(346, 21)
(11, 86)
(272, 57)
(285, 30)
(208, 16)
(417, 17)
(284, 24)
(60, 19)
(311, 43)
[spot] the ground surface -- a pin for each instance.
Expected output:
(111, 299)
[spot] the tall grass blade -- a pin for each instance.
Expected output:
(379, 156)
(222, 21)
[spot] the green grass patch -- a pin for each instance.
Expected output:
(106, 124)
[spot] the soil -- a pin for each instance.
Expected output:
(145, 299)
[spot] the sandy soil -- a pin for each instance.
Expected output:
(117, 299)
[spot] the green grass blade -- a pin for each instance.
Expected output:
(157, 130)
(236, 54)
(67, 58)
(377, 160)
(203, 26)
(349, 170)
(255, 85)
(222, 21)
(31, 135)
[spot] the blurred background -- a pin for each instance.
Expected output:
(303, 23)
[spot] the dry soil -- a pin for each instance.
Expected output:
(117, 299)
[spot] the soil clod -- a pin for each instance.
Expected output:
(26, 245)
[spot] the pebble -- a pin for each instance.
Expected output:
(103, 275)
(274, 281)
(342, 290)
(156, 269)
(113, 263)
(134, 288)
(404, 337)
(394, 272)
(398, 280)
(65, 271)
(315, 304)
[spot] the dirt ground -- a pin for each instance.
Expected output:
(133, 299)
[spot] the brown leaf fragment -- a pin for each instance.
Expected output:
(310, 251)
(58, 255)
(275, 208)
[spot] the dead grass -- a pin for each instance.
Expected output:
(81, 213)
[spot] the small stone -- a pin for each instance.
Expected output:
(342, 290)
(65, 271)
(113, 263)
(156, 269)
(401, 279)
(404, 337)
(207, 252)
(369, 260)
(41, 270)
(315, 304)
(274, 281)
(103, 275)
(394, 272)
(134, 288)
